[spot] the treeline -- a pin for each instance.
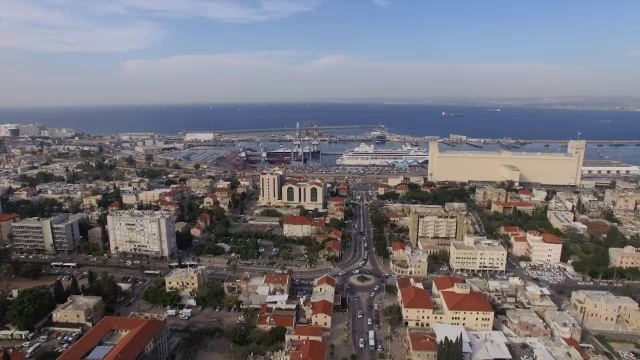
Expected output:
(41, 177)
(436, 196)
(591, 255)
(379, 223)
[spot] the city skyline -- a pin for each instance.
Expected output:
(65, 52)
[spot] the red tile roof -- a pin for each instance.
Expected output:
(7, 217)
(392, 215)
(140, 332)
(326, 279)
(397, 245)
(533, 232)
(423, 342)
(384, 186)
(403, 282)
(474, 301)
(446, 282)
(415, 298)
(511, 230)
(322, 307)
(205, 216)
(114, 204)
(287, 321)
(521, 238)
(309, 330)
(551, 239)
(337, 199)
(333, 245)
(296, 220)
(402, 187)
(310, 350)
(279, 279)
(525, 192)
(335, 233)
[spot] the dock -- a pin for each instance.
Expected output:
(473, 144)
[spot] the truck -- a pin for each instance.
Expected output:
(372, 341)
(185, 313)
(171, 312)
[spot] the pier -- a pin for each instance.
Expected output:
(286, 129)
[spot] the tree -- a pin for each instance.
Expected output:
(390, 289)
(5, 355)
(166, 163)
(29, 307)
(336, 223)
(184, 240)
(393, 313)
(148, 158)
(158, 295)
(212, 294)
(129, 160)
(274, 336)
(196, 167)
(74, 289)
(31, 270)
(59, 295)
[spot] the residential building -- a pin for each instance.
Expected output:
(489, 194)
(271, 317)
(302, 350)
(253, 291)
(536, 298)
(321, 313)
(507, 207)
(421, 345)
(546, 348)
(627, 257)
(149, 233)
(461, 306)
(622, 199)
(477, 253)
(185, 281)
(5, 226)
(117, 338)
(436, 222)
(598, 309)
(563, 325)
(201, 185)
(331, 250)
(80, 309)
(516, 166)
(305, 332)
(538, 195)
(56, 234)
(476, 345)
(298, 226)
(525, 323)
(415, 301)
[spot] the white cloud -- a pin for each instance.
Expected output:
(289, 76)
(121, 25)
(383, 3)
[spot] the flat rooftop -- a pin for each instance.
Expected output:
(604, 163)
(79, 302)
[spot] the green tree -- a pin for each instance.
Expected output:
(148, 158)
(29, 307)
(390, 289)
(74, 289)
(196, 167)
(212, 294)
(158, 295)
(394, 314)
(32, 271)
(59, 295)
(130, 161)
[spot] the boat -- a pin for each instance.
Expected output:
(546, 145)
(446, 114)
(284, 155)
(369, 155)
(380, 137)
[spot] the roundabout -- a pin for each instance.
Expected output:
(362, 280)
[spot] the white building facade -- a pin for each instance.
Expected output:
(149, 233)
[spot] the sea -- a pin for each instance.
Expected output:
(406, 119)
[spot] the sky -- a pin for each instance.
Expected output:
(78, 52)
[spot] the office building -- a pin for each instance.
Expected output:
(79, 309)
(518, 167)
(149, 233)
(627, 257)
(5, 226)
(602, 309)
(118, 338)
(477, 254)
(57, 234)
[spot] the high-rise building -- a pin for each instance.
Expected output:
(150, 233)
(271, 187)
(57, 234)
(477, 253)
(30, 129)
(436, 222)
(5, 226)
(276, 189)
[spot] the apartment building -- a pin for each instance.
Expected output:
(56, 234)
(627, 257)
(436, 222)
(461, 306)
(604, 308)
(416, 304)
(302, 350)
(185, 281)
(477, 253)
(277, 190)
(563, 325)
(408, 262)
(203, 185)
(421, 345)
(149, 233)
(5, 226)
(546, 248)
(525, 323)
(622, 199)
(298, 226)
(117, 338)
(507, 207)
(80, 309)
(489, 194)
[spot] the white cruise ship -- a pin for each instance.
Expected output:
(368, 155)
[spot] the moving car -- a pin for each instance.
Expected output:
(359, 314)
(361, 343)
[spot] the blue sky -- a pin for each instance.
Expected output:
(62, 52)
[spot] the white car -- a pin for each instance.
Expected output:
(356, 271)
(372, 294)
(376, 288)
(361, 343)
(369, 322)
(359, 314)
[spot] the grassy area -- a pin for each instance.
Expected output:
(363, 279)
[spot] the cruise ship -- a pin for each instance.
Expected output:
(368, 155)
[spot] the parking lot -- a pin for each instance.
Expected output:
(57, 341)
(549, 274)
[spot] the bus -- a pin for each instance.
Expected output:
(70, 265)
(185, 264)
(153, 273)
(372, 341)
(56, 265)
(33, 350)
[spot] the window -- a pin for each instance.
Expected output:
(314, 195)
(290, 193)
